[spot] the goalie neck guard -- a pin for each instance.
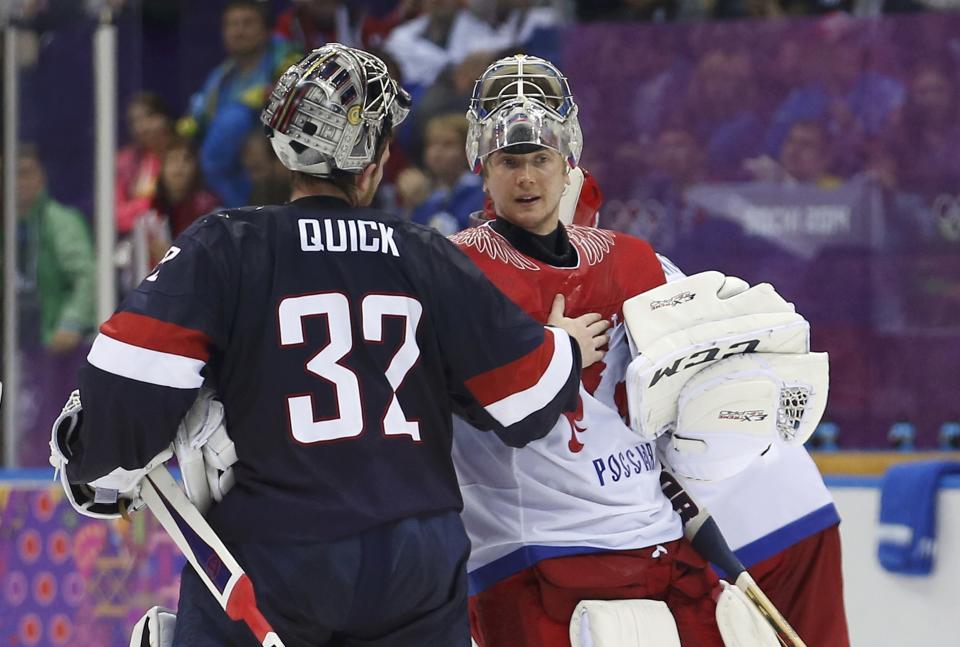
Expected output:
(329, 111)
(522, 100)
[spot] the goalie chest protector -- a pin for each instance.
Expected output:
(590, 484)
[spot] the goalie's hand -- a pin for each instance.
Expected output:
(108, 497)
(588, 330)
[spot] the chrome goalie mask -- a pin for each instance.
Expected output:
(522, 100)
(328, 111)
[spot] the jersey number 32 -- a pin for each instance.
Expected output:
(325, 364)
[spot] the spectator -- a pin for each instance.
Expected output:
(853, 102)
(778, 8)
(676, 163)
(56, 262)
(226, 108)
(449, 93)
(309, 24)
(747, 9)
(660, 80)
(449, 192)
(516, 21)
(720, 108)
(445, 34)
(181, 196)
(677, 159)
(642, 10)
(150, 126)
(56, 297)
(927, 131)
(269, 177)
(805, 158)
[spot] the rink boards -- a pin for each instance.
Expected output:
(71, 580)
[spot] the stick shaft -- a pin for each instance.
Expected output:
(206, 552)
(704, 534)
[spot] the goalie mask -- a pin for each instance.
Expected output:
(522, 100)
(329, 111)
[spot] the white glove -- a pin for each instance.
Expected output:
(730, 412)
(679, 328)
(205, 451)
(108, 497)
(154, 629)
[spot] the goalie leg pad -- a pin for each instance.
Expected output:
(623, 623)
(154, 629)
(741, 624)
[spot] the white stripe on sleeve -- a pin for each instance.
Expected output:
(144, 365)
(516, 407)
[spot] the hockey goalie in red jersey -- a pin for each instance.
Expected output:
(579, 515)
(544, 535)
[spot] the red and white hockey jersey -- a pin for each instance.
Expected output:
(590, 484)
(779, 500)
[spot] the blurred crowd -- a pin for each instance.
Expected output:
(825, 102)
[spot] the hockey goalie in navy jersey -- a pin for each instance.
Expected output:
(339, 341)
(578, 514)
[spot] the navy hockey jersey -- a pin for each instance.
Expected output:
(340, 341)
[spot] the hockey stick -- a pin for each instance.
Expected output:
(208, 555)
(704, 533)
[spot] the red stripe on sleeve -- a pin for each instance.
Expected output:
(519, 375)
(153, 334)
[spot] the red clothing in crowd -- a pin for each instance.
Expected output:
(137, 175)
(182, 214)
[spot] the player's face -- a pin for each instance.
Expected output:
(526, 188)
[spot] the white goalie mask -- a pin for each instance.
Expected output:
(522, 100)
(328, 111)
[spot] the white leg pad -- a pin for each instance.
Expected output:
(154, 629)
(623, 623)
(741, 623)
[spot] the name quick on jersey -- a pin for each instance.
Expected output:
(623, 465)
(346, 236)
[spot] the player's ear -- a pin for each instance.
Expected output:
(366, 178)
